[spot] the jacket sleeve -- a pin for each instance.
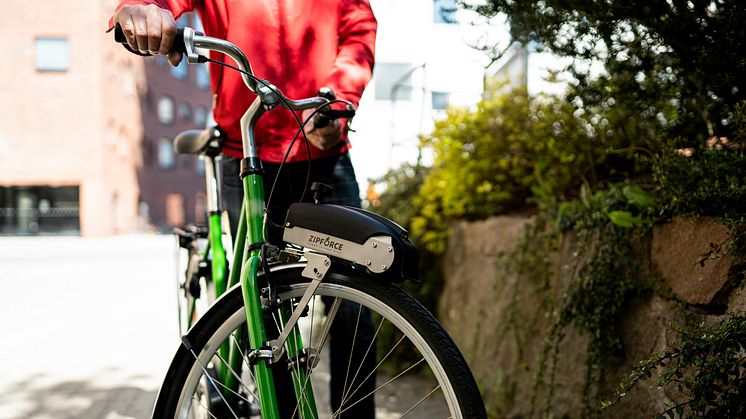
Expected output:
(177, 7)
(353, 67)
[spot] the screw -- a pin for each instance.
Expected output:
(389, 249)
(287, 224)
(383, 267)
(326, 262)
(367, 262)
(375, 245)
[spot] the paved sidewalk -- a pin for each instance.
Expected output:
(87, 326)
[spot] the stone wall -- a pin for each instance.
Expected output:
(499, 319)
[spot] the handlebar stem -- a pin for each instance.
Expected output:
(193, 40)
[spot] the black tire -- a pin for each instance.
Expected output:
(455, 383)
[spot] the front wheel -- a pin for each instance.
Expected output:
(387, 357)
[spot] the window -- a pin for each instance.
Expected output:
(185, 111)
(31, 210)
(166, 110)
(180, 71)
(200, 116)
(52, 54)
(444, 11)
(393, 81)
(175, 213)
(440, 100)
(165, 154)
(202, 78)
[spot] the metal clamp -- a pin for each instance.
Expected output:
(262, 353)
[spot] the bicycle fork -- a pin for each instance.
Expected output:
(264, 353)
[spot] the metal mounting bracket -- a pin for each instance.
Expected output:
(315, 269)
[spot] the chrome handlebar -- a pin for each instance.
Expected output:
(193, 40)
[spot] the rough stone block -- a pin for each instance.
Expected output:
(692, 257)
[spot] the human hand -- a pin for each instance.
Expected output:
(323, 138)
(149, 29)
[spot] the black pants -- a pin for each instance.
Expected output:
(338, 173)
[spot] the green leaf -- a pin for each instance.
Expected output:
(638, 197)
(624, 219)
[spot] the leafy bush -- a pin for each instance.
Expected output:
(511, 150)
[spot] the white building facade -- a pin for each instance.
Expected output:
(425, 61)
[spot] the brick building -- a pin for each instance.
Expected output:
(85, 144)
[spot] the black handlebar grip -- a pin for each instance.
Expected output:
(321, 121)
(326, 116)
(178, 44)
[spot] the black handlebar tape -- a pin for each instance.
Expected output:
(178, 44)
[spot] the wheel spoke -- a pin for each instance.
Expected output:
(235, 375)
(346, 395)
(382, 386)
(420, 401)
(395, 317)
(207, 375)
(248, 366)
(206, 409)
(376, 367)
(349, 360)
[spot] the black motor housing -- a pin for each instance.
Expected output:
(358, 226)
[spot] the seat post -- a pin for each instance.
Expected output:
(212, 184)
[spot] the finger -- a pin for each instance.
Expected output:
(310, 125)
(331, 129)
(168, 32)
(124, 18)
(174, 58)
(128, 27)
(153, 22)
(141, 32)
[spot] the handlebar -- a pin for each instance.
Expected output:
(177, 46)
(188, 41)
(327, 115)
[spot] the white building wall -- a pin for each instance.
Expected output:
(441, 58)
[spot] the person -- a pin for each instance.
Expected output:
(299, 46)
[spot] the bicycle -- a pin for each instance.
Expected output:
(207, 246)
(340, 257)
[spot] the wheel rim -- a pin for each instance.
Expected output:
(225, 331)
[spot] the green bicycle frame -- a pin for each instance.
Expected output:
(250, 235)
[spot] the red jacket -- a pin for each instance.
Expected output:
(298, 45)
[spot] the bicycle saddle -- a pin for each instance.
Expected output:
(199, 142)
(358, 236)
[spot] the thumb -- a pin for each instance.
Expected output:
(174, 58)
(311, 124)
